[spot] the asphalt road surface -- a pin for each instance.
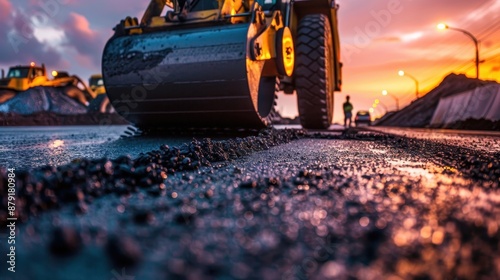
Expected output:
(29, 147)
(280, 205)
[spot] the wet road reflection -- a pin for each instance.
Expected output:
(373, 207)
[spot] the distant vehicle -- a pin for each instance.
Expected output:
(363, 118)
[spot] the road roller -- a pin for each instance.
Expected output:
(219, 63)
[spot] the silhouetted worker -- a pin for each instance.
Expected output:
(347, 111)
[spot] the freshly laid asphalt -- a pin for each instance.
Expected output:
(278, 205)
(30, 147)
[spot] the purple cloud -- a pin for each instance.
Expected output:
(19, 45)
(85, 40)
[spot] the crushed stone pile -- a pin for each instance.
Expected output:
(419, 113)
(42, 99)
(50, 106)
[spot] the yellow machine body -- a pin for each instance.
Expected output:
(211, 63)
(96, 84)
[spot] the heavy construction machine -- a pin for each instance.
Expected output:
(100, 103)
(219, 63)
(96, 84)
(21, 78)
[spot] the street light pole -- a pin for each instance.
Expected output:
(474, 39)
(385, 92)
(383, 106)
(403, 73)
(376, 103)
(379, 110)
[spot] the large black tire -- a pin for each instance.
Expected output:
(314, 77)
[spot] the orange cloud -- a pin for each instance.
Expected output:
(5, 8)
(80, 25)
(377, 43)
(81, 37)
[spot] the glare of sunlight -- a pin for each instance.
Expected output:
(56, 144)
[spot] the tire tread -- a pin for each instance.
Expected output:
(311, 73)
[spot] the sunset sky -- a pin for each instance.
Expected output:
(379, 37)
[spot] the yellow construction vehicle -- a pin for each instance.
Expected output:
(21, 78)
(218, 63)
(96, 84)
(100, 103)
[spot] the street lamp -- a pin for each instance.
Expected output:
(444, 26)
(403, 73)
(385, 92)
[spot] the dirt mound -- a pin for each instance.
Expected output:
(53, 119)
(43, 99)
(52, 106)
(419, 113)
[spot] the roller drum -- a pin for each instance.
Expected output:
(188, 78)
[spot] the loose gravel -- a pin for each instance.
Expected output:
(280, 205)
(83, 180)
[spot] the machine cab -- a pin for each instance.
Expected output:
(21, 78)
(26, 72)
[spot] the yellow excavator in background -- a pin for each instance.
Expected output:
(218, 63)
(100, 103)
(21, 78)
(96, 84)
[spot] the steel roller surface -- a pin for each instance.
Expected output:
(199, 77)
